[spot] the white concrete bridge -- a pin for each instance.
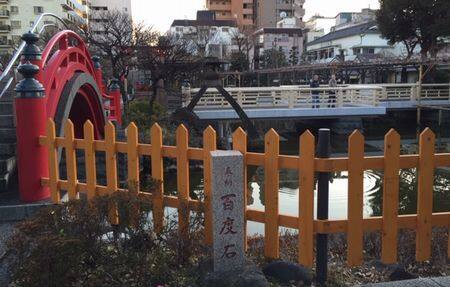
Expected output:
(299, 102)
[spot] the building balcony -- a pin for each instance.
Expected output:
(220, 7)
(4, 1)
(5, 28)
(74, 6)
(4, 13)
(247, 11)
(5, 43)
(247, 22)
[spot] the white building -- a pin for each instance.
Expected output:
(109, 5)
(208, 33)
(317, 26)
(17, 16)
(287, 40)
(355, 36)
(97, 7)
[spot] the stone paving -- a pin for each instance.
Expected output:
(5, 231)
(421, 282)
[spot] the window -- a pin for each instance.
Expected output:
(368, 51)
(38, 9)
(356, 51)
(14, 9)
(16, 24)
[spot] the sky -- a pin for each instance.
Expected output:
(160, 13)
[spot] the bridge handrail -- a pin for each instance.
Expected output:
(300, 96)
(19, 50)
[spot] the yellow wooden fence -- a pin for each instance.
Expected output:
(306, 163)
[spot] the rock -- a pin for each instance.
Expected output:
(380, 266)
(287, 272)
(250, 275)
(399, 273)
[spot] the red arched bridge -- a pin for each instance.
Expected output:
(61, 82)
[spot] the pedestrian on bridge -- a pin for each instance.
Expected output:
(332, 93)
(315, 93)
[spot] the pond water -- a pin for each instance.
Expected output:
(289, 189)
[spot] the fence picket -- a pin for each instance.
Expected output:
(71, 160)
(111, 168)
(89, 153)
(157, 174)
(239, 139)
(390, 197)
(271, 187)
(306, 199)
(132, 157)
(183, 180)
(425, 195)
(209, 144)
(355, 198)
(53, 161)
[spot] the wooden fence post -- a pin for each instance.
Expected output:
(71, 160)
(209, 144)
(390, 197)
(306, 170)
(133, 158)
(239, 139)
(355, 199)
(89, 153)
(425, 195)
(271, 186)
(111, 168)
(183, 181)
(53, 162)
(157, 174)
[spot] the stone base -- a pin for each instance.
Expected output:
(250, 275)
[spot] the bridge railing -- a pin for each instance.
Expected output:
(410, 92)
(289, 97)
(306, 163)
(302, 96)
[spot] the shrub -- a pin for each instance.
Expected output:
(73, 244)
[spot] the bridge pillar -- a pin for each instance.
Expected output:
(31, 114)
(98, 74)
(115, 101)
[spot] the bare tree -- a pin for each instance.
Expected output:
(169, 59)
(113, 35)
(244, 42)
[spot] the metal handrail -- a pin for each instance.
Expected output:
(22, 46)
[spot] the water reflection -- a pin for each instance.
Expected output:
(373, 185)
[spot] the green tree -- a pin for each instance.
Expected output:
(273, 58)
(239, 61)
(415, 22)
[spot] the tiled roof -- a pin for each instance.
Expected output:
(364, 28)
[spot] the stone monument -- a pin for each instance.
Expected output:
(228, 210)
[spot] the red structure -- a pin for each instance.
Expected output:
(74, 90)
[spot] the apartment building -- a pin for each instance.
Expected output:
(99, 6)
(109, 5)
(270, 12)
(242, 11)
(17, 16)
(288, 40)
(206, 34)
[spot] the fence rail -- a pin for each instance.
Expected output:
(306, 163)
(302, 96)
